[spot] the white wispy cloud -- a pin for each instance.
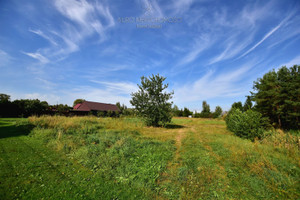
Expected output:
(213, 85)
(86, 14)
(201, 44)
(37, 56)
(262, 40)
(118, 87)
(232, 48)
(252, 13)
(41, 34)
(266, 36)
(82, 20)
(221, 29)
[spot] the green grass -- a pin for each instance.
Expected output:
(92, 158)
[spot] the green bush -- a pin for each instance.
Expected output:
(249, 124)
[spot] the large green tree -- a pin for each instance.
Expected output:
(152, 102)
(277, 96)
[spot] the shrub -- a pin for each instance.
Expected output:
(249, 124)
(100, 114)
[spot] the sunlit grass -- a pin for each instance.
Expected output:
(121, 158)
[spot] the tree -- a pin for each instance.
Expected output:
(7, 108)
(175, 111)
(28, 107)
(151, 102)
(4, 97)
(205, 110)
(77, 101)
(277, 96)
(248, 104)
(118, 104)
(186, 112)
(237, 105)
(218, 112)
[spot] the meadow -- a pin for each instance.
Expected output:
(120, 158)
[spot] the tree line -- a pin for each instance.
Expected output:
(205, 113)
(28, 107)
(276, 96)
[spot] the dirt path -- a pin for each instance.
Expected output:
(166, 178)
(181, 134)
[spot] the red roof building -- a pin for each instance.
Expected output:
(88, 106)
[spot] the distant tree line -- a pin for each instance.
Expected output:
(205, 113)
(28, 107)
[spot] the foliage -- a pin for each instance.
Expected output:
(7, 108)
(60, 109)
(26, 107)
(277, 96)
(124, 111)
(4, 97)
(205, 113)
(248, 104)
(151, 102)
(77, 101)
(249, 124)
(176, 112)
(100, 114)
(29, 107)
(186, 112)
(237, 105)
(218, 112)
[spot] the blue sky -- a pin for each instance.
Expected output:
(61, 50)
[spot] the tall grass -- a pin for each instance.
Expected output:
(287, 142)
(75, 123)
(111, 148)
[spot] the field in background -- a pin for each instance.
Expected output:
(106, 158)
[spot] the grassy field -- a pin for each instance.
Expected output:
(92, 158)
